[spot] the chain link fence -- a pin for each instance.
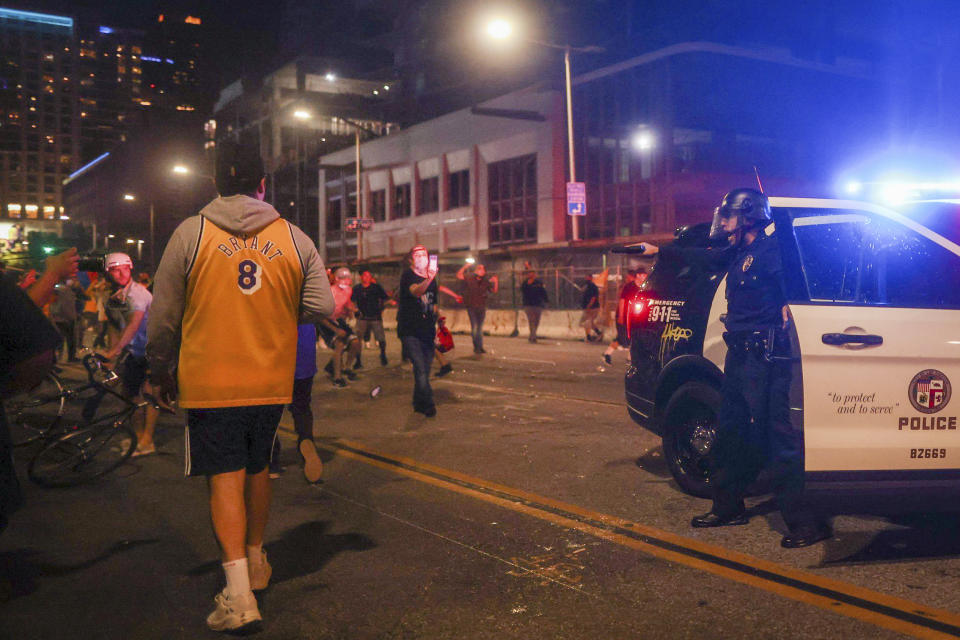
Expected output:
(564, 285)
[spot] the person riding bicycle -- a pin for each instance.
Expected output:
(127, 309)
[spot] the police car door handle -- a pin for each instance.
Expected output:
(839, 339)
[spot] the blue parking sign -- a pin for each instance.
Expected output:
(576, 199)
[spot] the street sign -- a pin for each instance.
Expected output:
(576, 199)
(359, 224)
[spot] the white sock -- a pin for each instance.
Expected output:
(238, 580)
(255, 553)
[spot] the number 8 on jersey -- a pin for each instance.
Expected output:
(249, 279)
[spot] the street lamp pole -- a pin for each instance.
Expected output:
(573, 167)
(153, 263)
(502, 29)
(356, 133)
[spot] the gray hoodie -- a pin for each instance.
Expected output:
(234, 214)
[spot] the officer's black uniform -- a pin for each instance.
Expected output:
(753, 425)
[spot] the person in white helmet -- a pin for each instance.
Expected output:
(127, 309)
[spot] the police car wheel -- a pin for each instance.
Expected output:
(689, 436)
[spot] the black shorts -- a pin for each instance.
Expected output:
(230, 439)
(133, 373)
(329, 335)
(622, 338)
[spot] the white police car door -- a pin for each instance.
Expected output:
(875, 299)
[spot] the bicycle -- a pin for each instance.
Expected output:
(32, 414)
(35, 413)
(85, 451)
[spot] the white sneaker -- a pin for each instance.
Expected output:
(239, 613)
(260, 572)
(312, 465)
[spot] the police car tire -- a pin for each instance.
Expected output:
(689, 398)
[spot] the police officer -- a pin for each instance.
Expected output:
(753, 424)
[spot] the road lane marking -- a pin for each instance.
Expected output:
(528, 393)
(847, 599)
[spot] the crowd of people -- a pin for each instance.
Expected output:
(229, 329)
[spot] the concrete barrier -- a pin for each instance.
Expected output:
(554, 323)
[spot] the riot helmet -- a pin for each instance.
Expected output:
(750, 207)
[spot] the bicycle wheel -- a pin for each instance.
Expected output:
(82, 455)
(34, 413)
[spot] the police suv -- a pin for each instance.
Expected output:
(874, 295)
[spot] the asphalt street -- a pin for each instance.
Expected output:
(530, 506)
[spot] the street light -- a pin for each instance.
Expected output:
(501, 29)
(180, 169)
(301, 114)
(643, 140)
(129, 197)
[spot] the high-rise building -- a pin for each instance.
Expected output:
(39, 124)
(172, 64)
(110, 86)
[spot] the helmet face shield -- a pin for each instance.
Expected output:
(725, 222)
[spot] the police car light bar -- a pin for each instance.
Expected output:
(893, 191)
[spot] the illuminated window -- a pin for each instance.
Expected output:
(31, 210)
(13, 210)
(192, 20)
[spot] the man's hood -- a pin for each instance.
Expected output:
(239, 214)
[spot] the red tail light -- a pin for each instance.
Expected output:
(636, 308)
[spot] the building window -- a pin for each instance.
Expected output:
(378, 205)
(513, 200)
(459, 189)
(401, 201)
(429, 195)
(334, 214)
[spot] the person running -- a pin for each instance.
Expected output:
(337, 334)
(233, 284)
(630, 288)
(590, 303)
(301, 409)
(369, 298)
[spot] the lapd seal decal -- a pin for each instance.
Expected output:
(929, 391)
(746, 263)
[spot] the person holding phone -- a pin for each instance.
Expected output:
(417, 322)
(476, 287)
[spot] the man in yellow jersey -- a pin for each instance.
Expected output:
(231, 288)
